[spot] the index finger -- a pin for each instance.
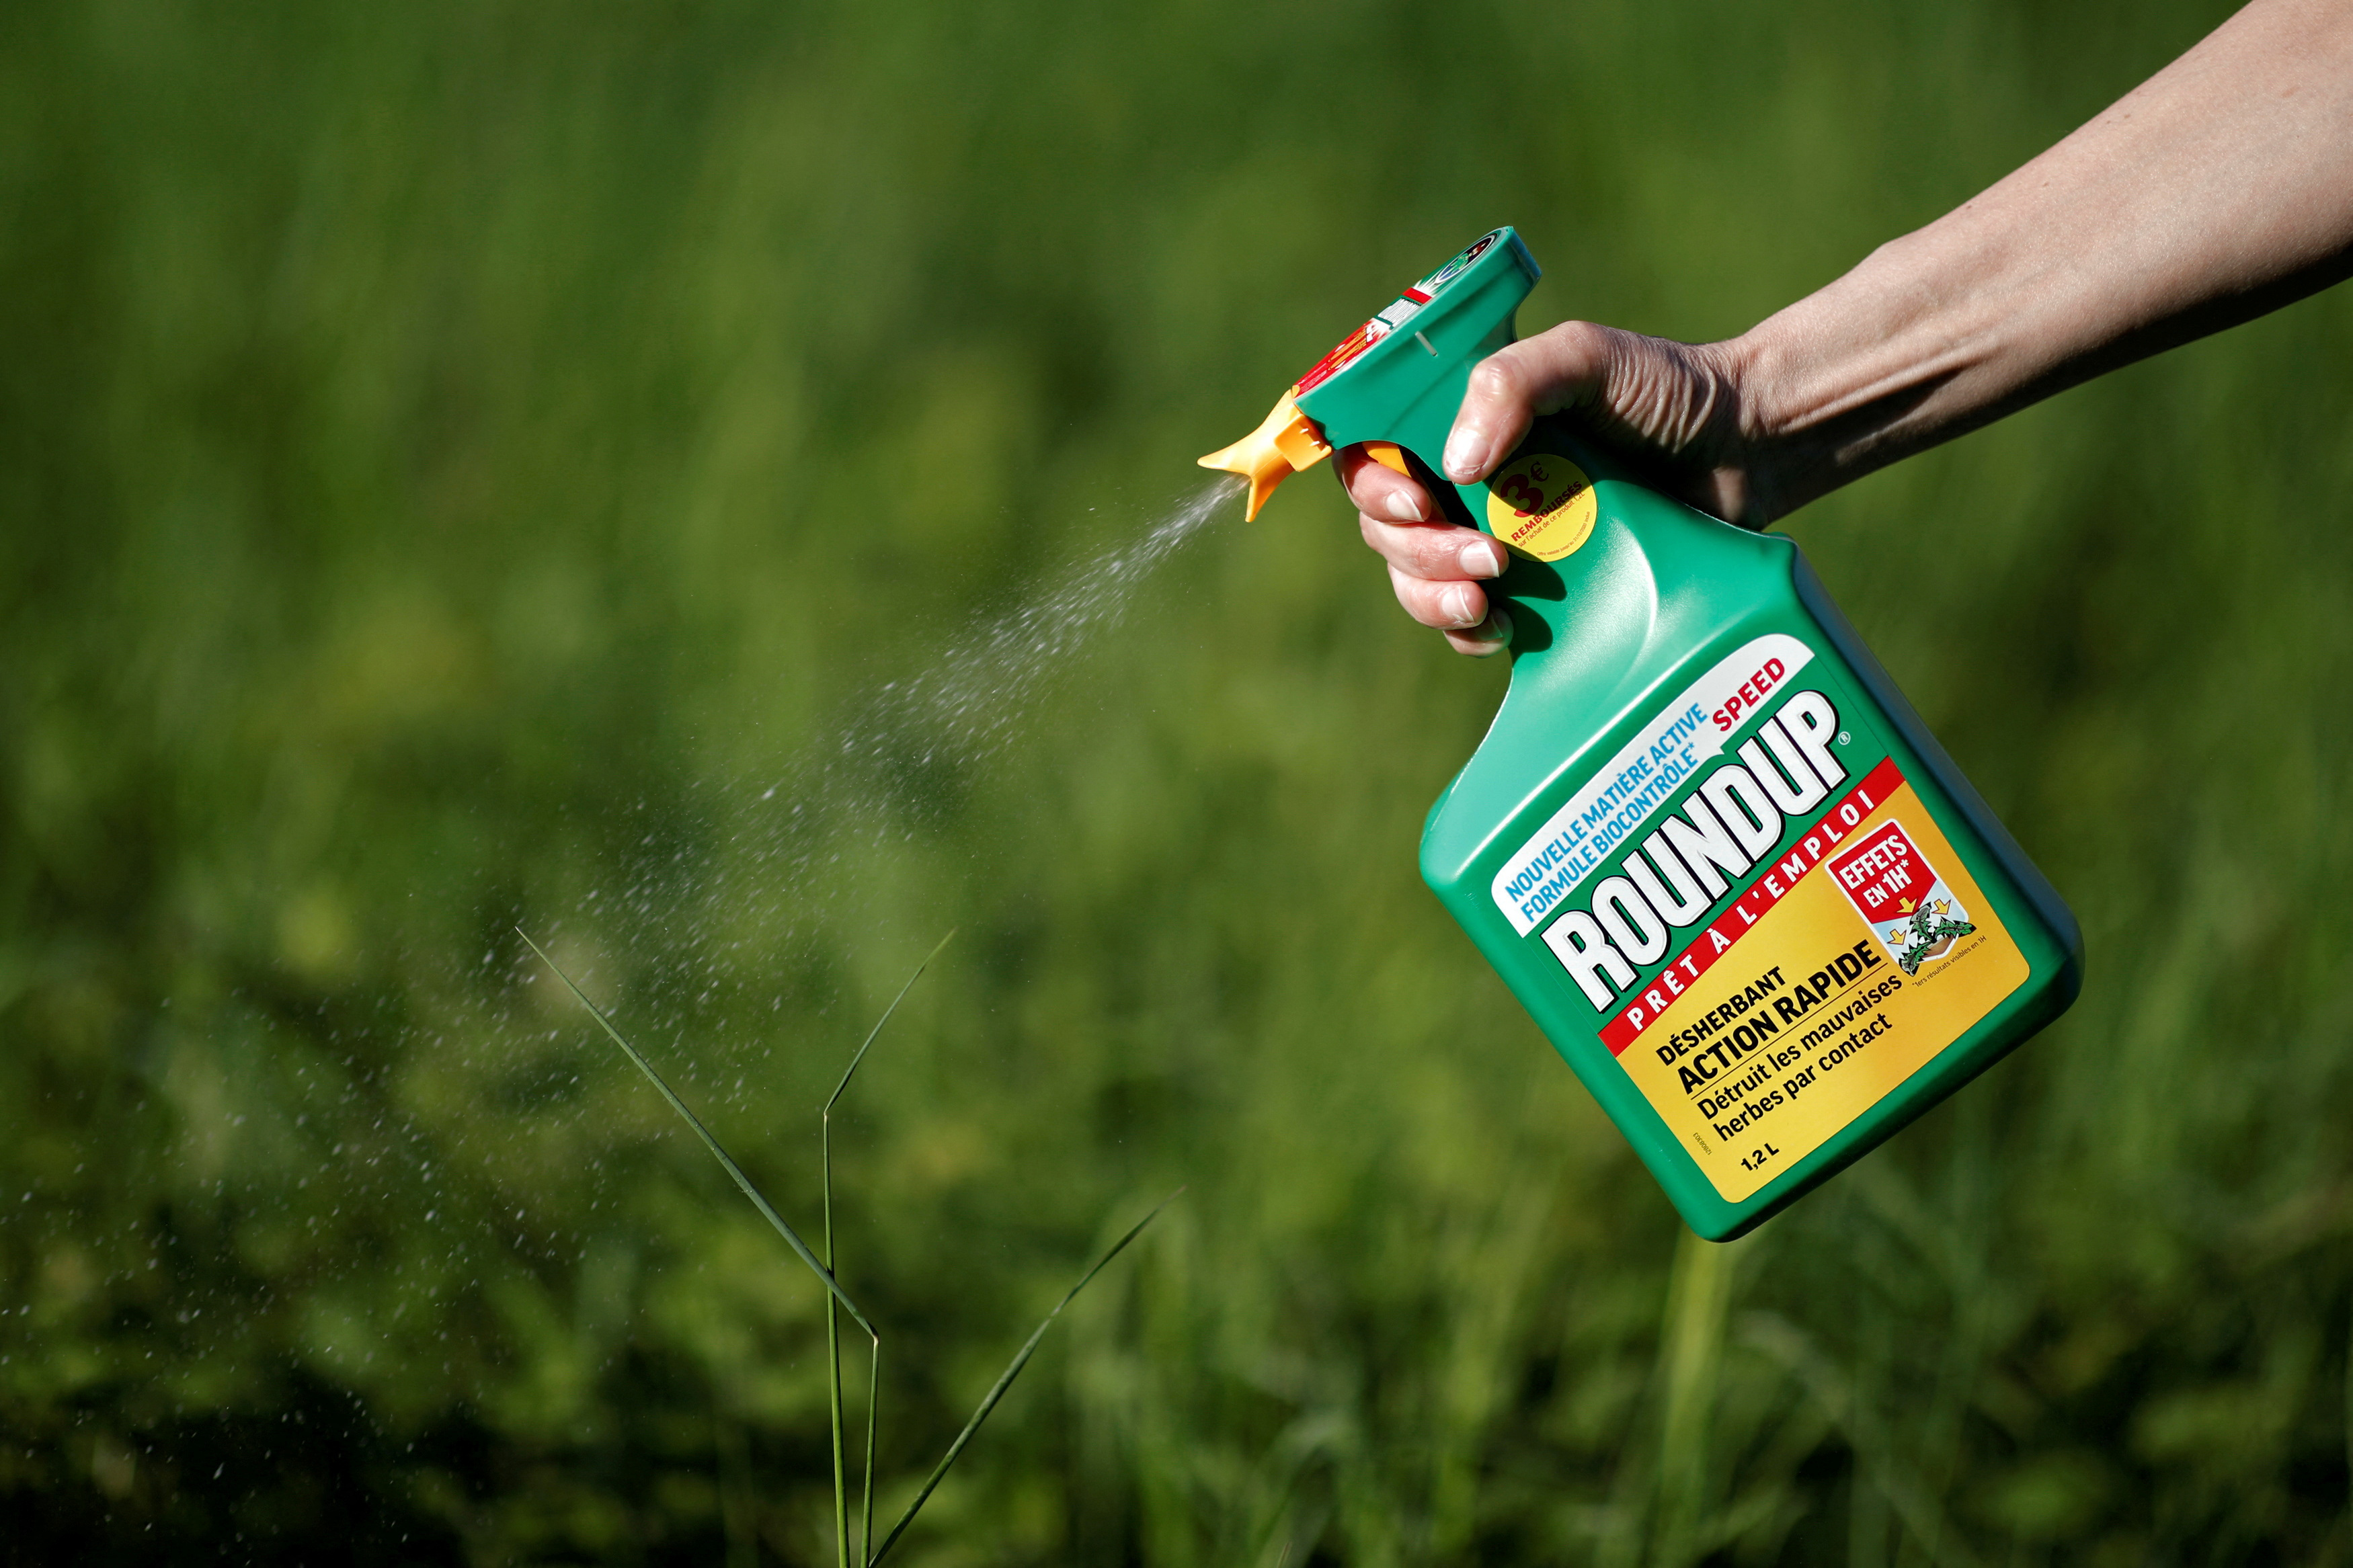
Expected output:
(1380, 491)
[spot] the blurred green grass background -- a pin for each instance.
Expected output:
(457, 457)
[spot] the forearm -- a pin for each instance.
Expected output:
(2220, 188)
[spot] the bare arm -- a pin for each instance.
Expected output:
(2218, 189)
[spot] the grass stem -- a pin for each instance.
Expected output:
(833, 1379)
(832, 1333)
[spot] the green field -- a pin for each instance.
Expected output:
(465, 466)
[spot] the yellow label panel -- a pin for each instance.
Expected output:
(1836, 975)
(1541, 504)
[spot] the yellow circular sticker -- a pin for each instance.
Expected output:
(1541, 505)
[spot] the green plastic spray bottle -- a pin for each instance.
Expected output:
(1707, 843)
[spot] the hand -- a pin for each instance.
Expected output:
(1675, 413)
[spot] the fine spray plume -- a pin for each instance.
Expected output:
(872, 777)
(1707, 843)
(813, 839)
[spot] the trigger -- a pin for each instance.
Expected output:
(1387, 455)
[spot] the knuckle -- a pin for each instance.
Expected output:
(1414, 597)
(1583, 353)
(1500, 375)
(1587, 339)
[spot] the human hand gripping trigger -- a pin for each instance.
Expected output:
(1674, 411)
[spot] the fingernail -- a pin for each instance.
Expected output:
(1403, 507)
(1495, 632)
(1464, 451)
(1461, 607)
(1482, 559)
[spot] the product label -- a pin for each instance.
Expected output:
(1541, 504)
(1631, 787)
(1778, 933)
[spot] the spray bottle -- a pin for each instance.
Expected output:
(1706, 842)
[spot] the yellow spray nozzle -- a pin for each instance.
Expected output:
(1288, 443)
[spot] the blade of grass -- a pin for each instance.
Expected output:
(726, 1161)
(833, 1315)
(1005, 1380)
(873, 1413)
(833, 1387)
(859, 1055)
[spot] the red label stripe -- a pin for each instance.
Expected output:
(1776, 882)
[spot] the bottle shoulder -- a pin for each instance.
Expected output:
(1669, 595)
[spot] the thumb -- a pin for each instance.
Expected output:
(1564, 366)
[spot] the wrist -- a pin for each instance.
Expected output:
(1855, 375)
(1758, 479)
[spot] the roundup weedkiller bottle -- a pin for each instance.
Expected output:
(1707, 842)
